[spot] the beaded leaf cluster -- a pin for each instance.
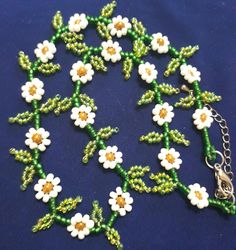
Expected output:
(83, 114)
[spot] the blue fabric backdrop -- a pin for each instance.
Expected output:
(156, 222)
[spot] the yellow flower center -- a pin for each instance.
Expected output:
(110, 156)
(163, 113)
(80, 226)
(77, 21)
(37, 138)
(119, 25)
(47, 187)
(170, 158)
(120, 201)
(148, 71)
(160, 41)
(45, 49)
(198, 195)
(111, 51)
(83, 116)
(191, 73)
(82, 71)
(32, 90)
(203, 117)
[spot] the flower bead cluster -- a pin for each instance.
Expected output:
(80, 225)
(82, 72)
(82, 116)
(160, 43)
(202, 118)
(119, 26)
(45, 51)
(190, 73)
(162, 113)
(147, 72)
(170, 158)
(198, 196)
(37, 139)
(110, 156)
(77, 22)
(120, 201)
(33, 90)
(111, 51)
(47, 188)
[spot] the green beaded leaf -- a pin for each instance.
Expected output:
(114, 237)
(24, 61)
(127, 67)
(209, 97)
(98, 63)
(22, 118)
(139, 48)
(43, 223)
(71, 37)
(108, 9)
(138, 171)
(186, 102)
(146, 98)
(172, 67)
(50, 104)
(68, 204)
(151, 137)
(23, 156)
(63, 105)
(87, 101)
(49, 68)
(179, 138)
(27, 177)
(103, 31)
(97, 214)
(189, 51)
(89, 151)
(167, 89)
(77, 48)
(138, 27)
(165, 183)
(57, 20)
(107, 132)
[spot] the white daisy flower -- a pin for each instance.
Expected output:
(170, 158)
(33, 90)
(147, 72)
(160, 43)
(111, 51)
(82, 72)
(202, 118)
(190, 73)
(120, 201)
(119, 26)
(162, 113)
(80, 226)
(198, 196)
(77, 22)
(47, 188)
(82, 116)
(45, 51)
(37, 139)
(110, 157)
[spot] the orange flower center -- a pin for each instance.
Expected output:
(111, 51)
(170, 158)
(120, 201)
(148, 71)
(198, 195)
(77, 21)
(119, 25)
(110, 156)
(37, 138)
(80, 226)
(47, 187)
(45, 50)
(32, 90)
(83, 116)
(203, 117)
(163, 113)
(82, 71)
(160, 41)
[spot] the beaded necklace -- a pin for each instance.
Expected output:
(83, 114)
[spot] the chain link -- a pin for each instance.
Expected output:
(225, 137)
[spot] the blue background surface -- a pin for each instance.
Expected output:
(156, 222)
